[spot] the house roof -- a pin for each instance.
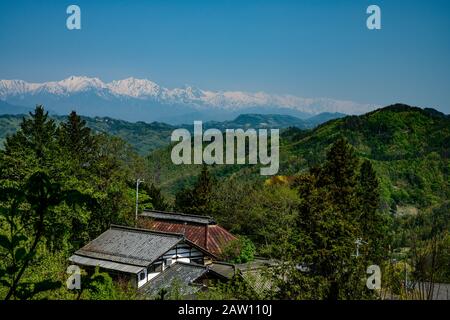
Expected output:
(226, 270)
(177, 216)
(217, 239)
(85, 261)
(257, 263)
(202, 231)
(180, 273)
(131, 246)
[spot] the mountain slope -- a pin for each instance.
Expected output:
(408, 146)
(324, 117)
(6, 108)
(258, 121)
(146, 137)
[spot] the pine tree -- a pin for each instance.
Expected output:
(198, 199)
(156, 198)
(31, 148)
(373, 223)
(327, 228)
(338, 174)
(76, 139)
(368, 196)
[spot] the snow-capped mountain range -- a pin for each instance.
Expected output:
(141, 99)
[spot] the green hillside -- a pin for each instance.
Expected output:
(408, 146)
(146, 137)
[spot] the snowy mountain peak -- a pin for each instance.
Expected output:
(189, 97)
(135, 87)
(13, 87)
(74, 84)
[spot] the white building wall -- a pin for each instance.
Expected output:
(182, 252)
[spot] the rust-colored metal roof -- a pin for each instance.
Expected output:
(211, 238)
(194, 233)
(218, 238)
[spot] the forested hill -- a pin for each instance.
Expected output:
(146, 137)
(392, 133)
(408, 146)
(258, 121)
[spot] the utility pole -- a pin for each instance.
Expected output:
(359, 242)
(138, 181)
(406, 279)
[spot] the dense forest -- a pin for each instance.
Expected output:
(147, 137)
(381, 178)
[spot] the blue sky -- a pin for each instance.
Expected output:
(314, 48)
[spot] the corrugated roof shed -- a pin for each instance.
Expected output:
(257, 263)
(138, 247)
(226, 270)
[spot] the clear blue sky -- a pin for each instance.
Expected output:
(314, 48)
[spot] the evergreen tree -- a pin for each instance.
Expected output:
(327, 229)
(338, 175)
(198, 199)
(76, 159)
(374, 224)
(77, 141)
(156, 198)
(31, 148)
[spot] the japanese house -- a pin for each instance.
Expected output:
(139, 254)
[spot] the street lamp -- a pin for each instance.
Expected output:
(138, 182)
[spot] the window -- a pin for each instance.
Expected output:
(168, 262)
(157, 267)
(142, 276)
(198, 261)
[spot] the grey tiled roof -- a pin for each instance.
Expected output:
(176, 216)
(439, 291)
(138, 247)
(226, 270)
(179, 273)
(85, 261)
(257, 263)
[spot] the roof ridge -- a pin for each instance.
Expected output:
(224, 263)
(85, 253)
(190, 264)
(134, 229)
(181, 214)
